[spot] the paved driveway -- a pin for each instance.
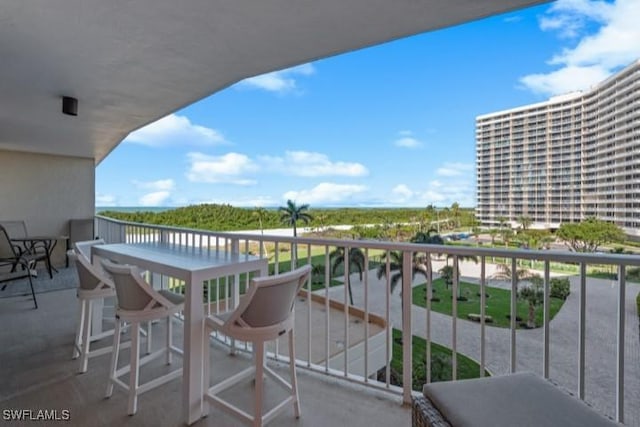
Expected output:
(601, 333)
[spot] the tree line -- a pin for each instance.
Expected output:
(223, 217)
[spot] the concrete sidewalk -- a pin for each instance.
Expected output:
(601, 337)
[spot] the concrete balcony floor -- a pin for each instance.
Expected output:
(38, 373)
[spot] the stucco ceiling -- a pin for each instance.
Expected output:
(130, 62)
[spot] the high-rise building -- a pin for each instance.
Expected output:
(565, 159)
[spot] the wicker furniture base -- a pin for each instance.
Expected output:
(424, 414)
(519, 399)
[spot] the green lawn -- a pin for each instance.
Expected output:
(498, 303)
(317, 258)
(440, 363)
(284, 265)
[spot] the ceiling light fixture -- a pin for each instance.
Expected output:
(69, 106)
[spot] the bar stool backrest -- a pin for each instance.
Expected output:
(90, 277)
(270, 299)
(130, 288)
(133, 292)
(84, 247)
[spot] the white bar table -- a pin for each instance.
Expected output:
(194, 266)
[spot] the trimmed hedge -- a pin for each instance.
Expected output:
(476, 318)
(560, 288)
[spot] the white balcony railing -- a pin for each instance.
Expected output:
(563, 355)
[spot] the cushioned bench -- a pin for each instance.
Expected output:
(521, 399)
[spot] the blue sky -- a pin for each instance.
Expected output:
(390, 125)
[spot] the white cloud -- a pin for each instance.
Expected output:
(175, 130)
(279, 81)
(105, 200)
(326, 193)
(229, 168)
(455, 182)
(154, 199)
(159, 185)
(310, 164)
(596, 55)
(569, 17)
(564, 80)
(454, 169)
(438, 193)
(402, 193)
(407, 142)
(233, 168)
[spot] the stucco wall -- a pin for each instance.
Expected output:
(46, 191)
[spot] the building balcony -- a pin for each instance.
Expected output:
(39, 374)
(589, 348)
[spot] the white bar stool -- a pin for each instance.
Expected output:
(264, 314)
(93, 285)
(138, 302)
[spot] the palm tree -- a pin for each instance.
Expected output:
(476, 234)
(419, 266)
(430, 237)
(261, 213)
(455, 211)
(493, 233)
(456, 268)
(534, 295)
(292, 213)
(446, 274)
(502, 221)
(504, 273)
(317, 273)
(525, 222)
(462, 258)
(356, 259)
(507, 234)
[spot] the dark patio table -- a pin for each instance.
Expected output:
(48, 242)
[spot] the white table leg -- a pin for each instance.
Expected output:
(193, 368)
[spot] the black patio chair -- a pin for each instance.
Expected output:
(17, 232)
(14, 256)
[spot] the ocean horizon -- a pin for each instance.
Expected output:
(135, 208)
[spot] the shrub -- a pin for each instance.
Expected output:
(560, 288)
(440, 368)
(476, 317)
(633, 274)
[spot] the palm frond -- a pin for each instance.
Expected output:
(394, 280)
